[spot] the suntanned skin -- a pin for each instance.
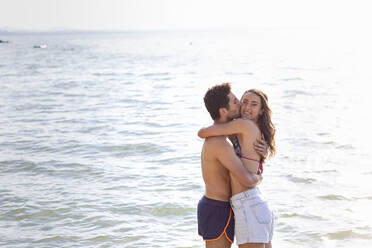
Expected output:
(246, 140)
(247, 133)
(218, 161)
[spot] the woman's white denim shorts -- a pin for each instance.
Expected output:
(254, 220)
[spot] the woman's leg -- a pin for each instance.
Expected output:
(252, 245)
(268, 245)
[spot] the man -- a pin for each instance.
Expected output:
(218, 161)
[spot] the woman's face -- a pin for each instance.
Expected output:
(251, 106)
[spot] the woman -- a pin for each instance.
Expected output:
(253, 218)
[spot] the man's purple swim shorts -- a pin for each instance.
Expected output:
(215, 218)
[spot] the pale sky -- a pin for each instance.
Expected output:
(181, 14)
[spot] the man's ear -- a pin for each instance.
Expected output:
(222, 111)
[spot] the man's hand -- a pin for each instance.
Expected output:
(261, 147)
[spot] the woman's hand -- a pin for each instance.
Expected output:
(261, 147)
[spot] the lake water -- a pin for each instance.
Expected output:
(98, 144)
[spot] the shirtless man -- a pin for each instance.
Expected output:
(218, 161)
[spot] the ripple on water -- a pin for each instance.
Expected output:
(53, 240)
(12, 166)
(135, 149)
(333, 197)
(322, 171)
(345, 147)
(239, 73)
(292, 79)
(59, 169)
(155, 74)
(323, 134)
(364, 198)
(348, 234)
(298, 179)
(43, 177)
(294, 93)
(176, 159)
(39, 215)
(302, 216)
(163, 210)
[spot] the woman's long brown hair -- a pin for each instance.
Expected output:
(264, 122)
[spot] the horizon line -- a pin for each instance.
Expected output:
(7, 30)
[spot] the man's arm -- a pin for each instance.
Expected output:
(226, 155)
(228, 128)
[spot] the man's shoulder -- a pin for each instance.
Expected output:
(216, 141)
(215, 146)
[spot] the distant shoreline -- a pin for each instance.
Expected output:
(67, 31)
(62, 32)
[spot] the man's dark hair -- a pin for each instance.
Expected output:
(216, 98)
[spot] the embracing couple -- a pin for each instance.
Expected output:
(232, 170)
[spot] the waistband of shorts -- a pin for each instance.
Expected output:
(213, 202)
(246, 194)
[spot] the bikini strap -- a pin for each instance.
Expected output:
(250, 158)
(260, 169)
(260, 166)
